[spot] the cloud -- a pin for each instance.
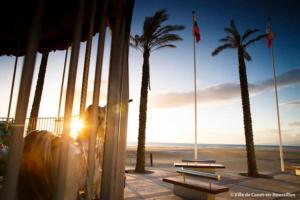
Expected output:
(291, 104)
(270, 136)
(223, 92)
(295, 124)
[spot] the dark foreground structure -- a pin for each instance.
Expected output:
(33, 26)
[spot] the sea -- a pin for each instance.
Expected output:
(217, 146)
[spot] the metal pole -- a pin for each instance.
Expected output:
(151, 160)
(11, 92)
(195, 96)
(8, 191)
(277, 109)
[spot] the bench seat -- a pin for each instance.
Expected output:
(204, 167)
(198, 165)
(199, 161)
(195, 189)
(296, 168)
(198, 174)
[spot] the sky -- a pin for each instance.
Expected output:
(171, 107)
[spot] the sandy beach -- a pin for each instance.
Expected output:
(233, 158)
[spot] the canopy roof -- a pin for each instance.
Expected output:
(58, 24)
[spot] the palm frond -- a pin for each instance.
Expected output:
(247, 56)
(164, 46)
(167, 38)
(167, 29)
(221, 48)
(229, 39)
(254, 40)
(248, 33)
(232, 25)
(233, 30)
(136, 42)
(151, 24)
(155, 35)
(136, 47)
(232, 33)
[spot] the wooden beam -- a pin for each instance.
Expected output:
(8, 191)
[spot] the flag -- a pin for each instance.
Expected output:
(270, 34)
(196, 30)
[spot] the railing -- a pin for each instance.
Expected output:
(51, 124)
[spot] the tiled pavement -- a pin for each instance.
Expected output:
(150, 186)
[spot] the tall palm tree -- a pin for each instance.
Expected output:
(155, 36)
(234, 40)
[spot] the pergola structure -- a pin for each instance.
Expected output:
(33, 26)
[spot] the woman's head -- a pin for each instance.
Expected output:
(88, 121)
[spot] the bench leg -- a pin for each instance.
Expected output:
(191, 194)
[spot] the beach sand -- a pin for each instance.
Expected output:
(234, 159)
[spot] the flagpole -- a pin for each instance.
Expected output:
(195, 96)
(277, 108)
(278, 116)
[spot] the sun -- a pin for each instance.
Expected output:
(76, 127)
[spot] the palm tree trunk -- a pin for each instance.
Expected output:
(251, 160)
(38, 93)
(140, 159)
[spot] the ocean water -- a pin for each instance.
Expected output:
(222, 146)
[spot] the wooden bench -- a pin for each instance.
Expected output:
(195, 189)
(185, 172)
(203, 167)
(296, 168)
(198, 161)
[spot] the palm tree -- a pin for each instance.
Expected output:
(234, 40)
(154, 37)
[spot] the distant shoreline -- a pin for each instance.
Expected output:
(190, 145)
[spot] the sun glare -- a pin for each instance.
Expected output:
(76, 127)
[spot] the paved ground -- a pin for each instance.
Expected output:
(150, 186)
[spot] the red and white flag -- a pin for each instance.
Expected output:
(270, 34)
(196, 31)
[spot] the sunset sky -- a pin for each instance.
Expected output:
(170, 108)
